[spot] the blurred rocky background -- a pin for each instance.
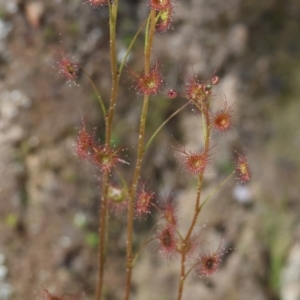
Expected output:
(49, 199)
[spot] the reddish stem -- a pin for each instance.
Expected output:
(197, 209)
(140, 154)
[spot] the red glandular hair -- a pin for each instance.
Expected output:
(143, 202)
(242, 169)
(166, 241)
(194, 162)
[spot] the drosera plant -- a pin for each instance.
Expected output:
(120, 193)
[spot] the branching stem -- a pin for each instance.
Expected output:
(206, 128)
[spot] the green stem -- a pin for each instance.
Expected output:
(163, 124)
(129, 48)
(190, 270)
(216, 189)
(136, 255)
(147, 240)
(124, 183)
(95, 90)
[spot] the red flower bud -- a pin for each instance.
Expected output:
(172, 94)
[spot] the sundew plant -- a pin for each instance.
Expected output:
(121, 194)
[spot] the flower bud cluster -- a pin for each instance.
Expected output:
(195, 91)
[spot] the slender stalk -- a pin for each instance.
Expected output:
(140, 154)
(140, 250)
(190, 270)
(95, 90)
(103, 222)
(147, 240)
(216, 189)
(163, 124)
(129, 48)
